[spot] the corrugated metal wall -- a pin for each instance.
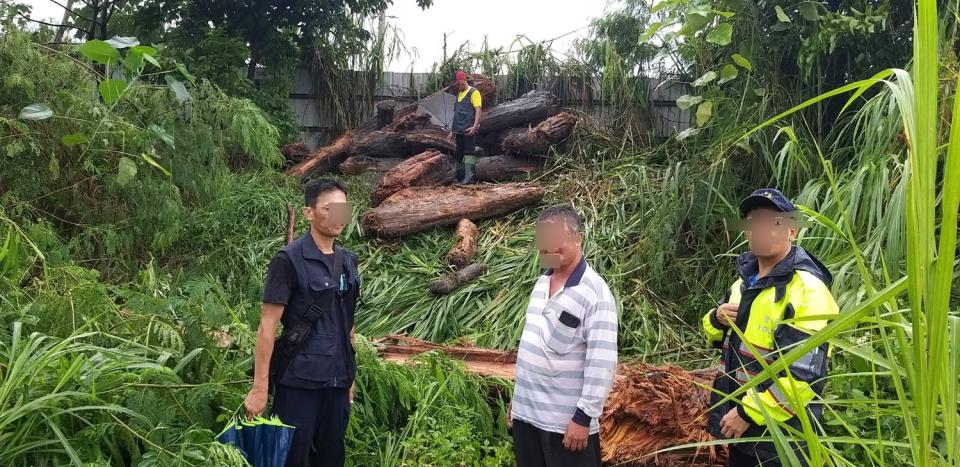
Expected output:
(318, 127)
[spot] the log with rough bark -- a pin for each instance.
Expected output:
(505, 168)
(356, 165)
(295, 152)
(291, 223)
(326, 158)
(385, 143)
(457, 279)
(429, 168)
(466, 247)
(488, 90)
(533, 106)
(410, 121)
(423, 208)
(537, 139)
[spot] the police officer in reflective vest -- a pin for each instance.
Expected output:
(779, 288)
(312, 288)
(463, 130)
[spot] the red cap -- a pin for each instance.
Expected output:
(461, 76)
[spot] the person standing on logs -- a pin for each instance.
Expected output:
(463, 129)
(780, 298)
(312, 288)
(568, 353)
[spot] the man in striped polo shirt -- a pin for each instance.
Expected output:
(568, 352)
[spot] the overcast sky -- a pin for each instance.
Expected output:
(500, 21)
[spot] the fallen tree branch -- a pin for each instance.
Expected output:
(457, 279)
(466, 247)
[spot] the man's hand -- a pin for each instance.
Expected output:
(732, 425)
(256, 402)
(510, 415)
(450, 136)
(353, 389)
(727, 313)
(471, 131)
(575, 439)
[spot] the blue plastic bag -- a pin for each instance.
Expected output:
(263, 442)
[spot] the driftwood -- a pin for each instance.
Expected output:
(429, 168)
(533, 106)
(537, 139)
(355, 165)
(422, 208)
(504, 168)
(325, 158)
(457, 279)
(466, 247)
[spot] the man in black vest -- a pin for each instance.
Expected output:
(312, 288)
(463, 129)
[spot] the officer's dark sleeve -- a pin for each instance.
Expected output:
(281, 279)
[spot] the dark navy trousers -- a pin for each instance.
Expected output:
(320, 417)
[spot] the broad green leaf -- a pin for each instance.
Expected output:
(704, 112)
(742, 61)
(126, 170)
(100, 52)
(179, 90)
(73, 139)
(725, 14)
(149, 58)
(186, 74)
(781, 15)
(36, 112)
(721, 35)
(686, 101)
(728, 73)
(156, 164)
(707, 78)
(111, 89)
(651, 30)
(136, 55)
(162, 134)
(694, 23)
(809, 11)
(118, 42)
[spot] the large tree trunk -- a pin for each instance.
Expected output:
(488, 90)
(331, 156)
(385, 143)
(466, 247)
(325, 158)
(457, 279)
(429, 168)
(423, 208)
(356, 165)
(533, 106)
(504, 168)
(538, 139)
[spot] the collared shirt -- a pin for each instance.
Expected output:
(568, 352)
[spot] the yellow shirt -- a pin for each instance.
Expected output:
(475, 99)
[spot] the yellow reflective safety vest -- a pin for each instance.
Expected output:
(776, 313)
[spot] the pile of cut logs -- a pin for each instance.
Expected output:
(413, 155)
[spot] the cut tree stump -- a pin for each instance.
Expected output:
(356, 165)
(423, 208)
(429, 168)
(295, 152)
(464, 250)
(533, 106)
(504, 168)
(537, 139)
(457, 279)
(326, 158)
